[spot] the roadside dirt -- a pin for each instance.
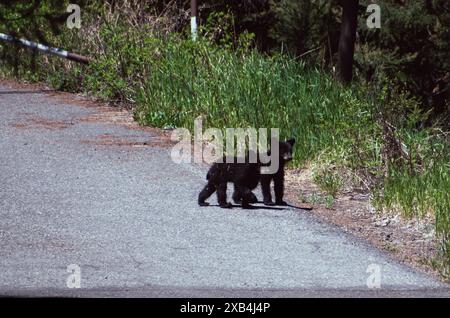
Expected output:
(39, 122)
(410, 241)
(102, 113)
(122, 141)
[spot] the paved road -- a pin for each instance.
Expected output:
(78, 188)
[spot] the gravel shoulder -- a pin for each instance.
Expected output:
(409, 241)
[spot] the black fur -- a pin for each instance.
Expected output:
(245, 177)
(285, 155)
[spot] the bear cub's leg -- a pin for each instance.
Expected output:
(222, 196)
(237, 197)
(246, 195)
(265, 187)
(278, 188)
(207, 191)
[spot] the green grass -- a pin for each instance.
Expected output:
(315, 198)
(228, 89)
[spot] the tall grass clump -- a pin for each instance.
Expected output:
(236, 89)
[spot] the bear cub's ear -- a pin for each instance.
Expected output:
(291, 142)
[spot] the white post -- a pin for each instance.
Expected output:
(194, 8)
(194, 28)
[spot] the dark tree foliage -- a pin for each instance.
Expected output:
(32, 19)
(410, 50)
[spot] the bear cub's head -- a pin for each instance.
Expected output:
(285, 150)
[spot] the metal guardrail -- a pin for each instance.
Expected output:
(46, 49)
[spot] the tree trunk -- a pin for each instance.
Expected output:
(347, 39)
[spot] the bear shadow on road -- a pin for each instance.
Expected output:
(265, 207)
(251, 207)
(299, 207)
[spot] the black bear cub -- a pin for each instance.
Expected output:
(285, 155)
(245, 177)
